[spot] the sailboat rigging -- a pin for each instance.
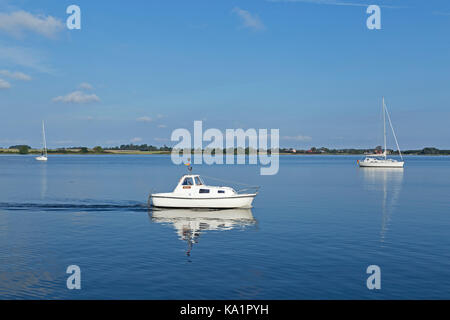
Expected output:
(381, 161)
(43, 156)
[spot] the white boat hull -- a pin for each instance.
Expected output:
(41, 158)
(381, 164)
(174, 201)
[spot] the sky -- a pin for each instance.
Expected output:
(137, 70)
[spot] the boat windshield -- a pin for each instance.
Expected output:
(198, 181)
(188, 182)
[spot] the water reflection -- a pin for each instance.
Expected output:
(389, 182)
(190, 223)
(43, 179)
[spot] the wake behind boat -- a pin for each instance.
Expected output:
(381, 160)
(191, 192)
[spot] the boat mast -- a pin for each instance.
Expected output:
(384, 129)
(43, 135)
(393, 133)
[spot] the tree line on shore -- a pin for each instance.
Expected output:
(25, 149)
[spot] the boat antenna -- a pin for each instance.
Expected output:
(188, 164)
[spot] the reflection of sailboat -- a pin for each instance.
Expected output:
(190, 223)
(389, 182)
(381, 160)
(43, 156)
(43, 181)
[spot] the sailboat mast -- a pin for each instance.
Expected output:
(393, 133)
(43, 135)
(384, 128)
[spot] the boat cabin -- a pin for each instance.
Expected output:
(193, 185)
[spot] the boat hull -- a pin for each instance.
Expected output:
(168, 201)
(381, 164)
(41, 158)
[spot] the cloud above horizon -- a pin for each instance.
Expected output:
(20, 22)
(4, 84)
(297, 138)
(77, 97)
(248, 20)
(15, 75)
(334, 3)
(85, 86)
(136, 139)
(24, 57)
(144, 119)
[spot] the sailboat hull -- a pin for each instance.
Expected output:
(41, 158)
(381, 164)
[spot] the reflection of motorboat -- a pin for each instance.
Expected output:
(389, 182)
(189, 223)
(191, 192)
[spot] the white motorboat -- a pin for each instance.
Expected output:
(381, 160)
(43, 156)
(191, 192)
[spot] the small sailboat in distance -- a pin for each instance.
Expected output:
(381, 160)
(43, 156)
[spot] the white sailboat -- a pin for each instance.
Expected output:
(381, 160)
(43, 156)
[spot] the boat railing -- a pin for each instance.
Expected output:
(252, 189)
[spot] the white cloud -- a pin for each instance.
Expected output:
(18, 22)
(297, 138)
(144, 119)
(15, 75)
(24, 57)
(249, 20)
(85, 86)
(77, 97)
(335, 3)
(136, 139)
(440, 13)
(65, 142)
(4, 84)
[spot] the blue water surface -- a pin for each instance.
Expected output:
(315, 228)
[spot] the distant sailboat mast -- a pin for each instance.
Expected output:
(393, 132)
(384, 128)
(376, 160)
(44, 151)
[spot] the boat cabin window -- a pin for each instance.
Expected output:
(204, 191)
(221, 191)
(198, 181)
(188, 182)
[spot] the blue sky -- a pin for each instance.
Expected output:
(139, 69)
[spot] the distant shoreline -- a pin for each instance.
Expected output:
(136, 152)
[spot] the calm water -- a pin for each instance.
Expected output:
(314, 229)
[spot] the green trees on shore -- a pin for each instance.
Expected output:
(130, 148)
(24, 149)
